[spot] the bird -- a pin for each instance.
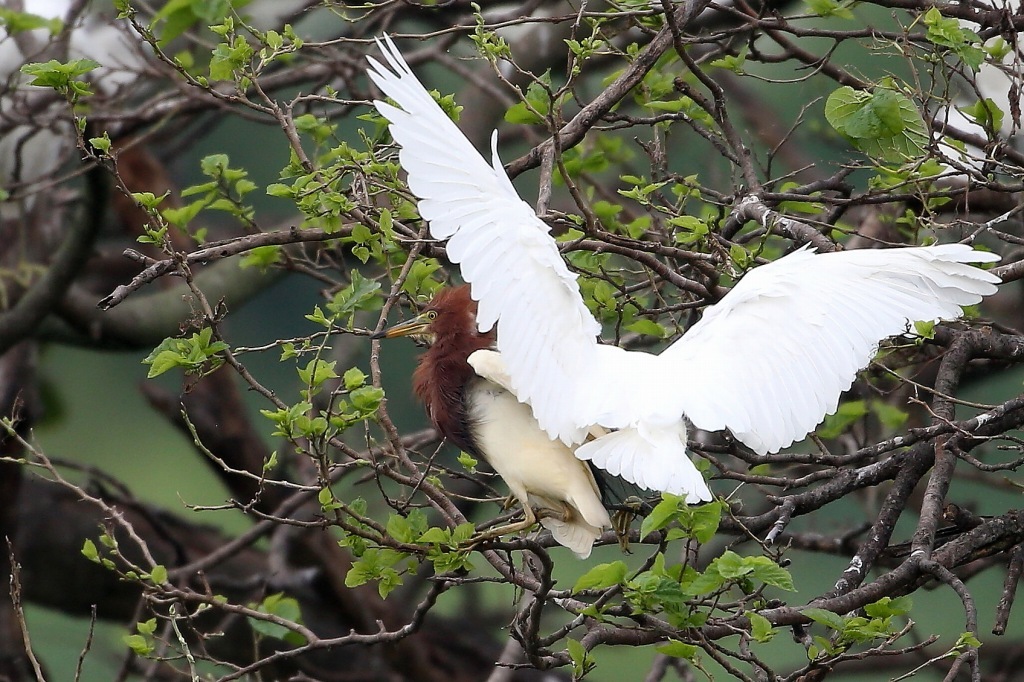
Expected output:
(766, 363)
(471, 405)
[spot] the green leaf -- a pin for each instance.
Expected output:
(825, 617)
(361, 294)
(731, 565)
(770, 573)
(947, 32)
(399, 528)
(317, 371)
(887, 606)
(705, 583)
(58, 75)
(648, 328)
(367, 399)
(891, 416)
(967, 639)
(18, 22)
(158, 575)
(704, 520)
(985, 113)
(139, 644)
(578, 654)
(883, 123)
(760, 627)
(830, 8)
(283, 607)
(677, 649)
(661, 515)
(261, 257)
(925, 330)
(536, 106)
(601, 576)
(468, 461)
(325, 497)
(836, 424)
(353, 378)
(89, 550)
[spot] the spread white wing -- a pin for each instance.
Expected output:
(773, 356)
(546, 335)
(768, 362)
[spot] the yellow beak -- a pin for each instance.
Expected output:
(417, 326)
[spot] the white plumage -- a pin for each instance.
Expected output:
(767, 362)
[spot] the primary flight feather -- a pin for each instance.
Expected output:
(767, 362)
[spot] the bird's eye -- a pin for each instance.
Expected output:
(431, 314)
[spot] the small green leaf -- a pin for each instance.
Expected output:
(967, 639)
(825, 617)
(89, 550)
(677, 649)
(601, 576)
(661, 515)
(139, 644)
(648, 328)
(925, 329)
(158, 575)
(283, 607)
(353, 378)
(760, 627)
(887, 606)
(367, 399)
(770, 573)
(468, 461)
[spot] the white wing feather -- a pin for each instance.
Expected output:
(768, 362)
(545, 332)
(773, 356)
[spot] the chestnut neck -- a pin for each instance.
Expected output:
(444, 373)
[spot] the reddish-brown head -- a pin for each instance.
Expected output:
(448, 323)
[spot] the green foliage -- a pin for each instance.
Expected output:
(197, 354)
(537, 103)
(852, 411)
(601, 576)
(361, 294)
(854, 629)
(760, 627)
(224, 192)
(377, 565)
(677, 649)
(14, 22)
(446, 551)
(947, 32)
(831, 8)
(884, 123)
(697, 522)
(62, 76)
(581, 663)
(142, 642)
(285, 608)
(985, 113)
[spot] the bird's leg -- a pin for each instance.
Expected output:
(623, 518)
(529, 520)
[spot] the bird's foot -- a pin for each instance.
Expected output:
(623, 518)
(498, 531)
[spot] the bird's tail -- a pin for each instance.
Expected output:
(576, 534)
(653, 458)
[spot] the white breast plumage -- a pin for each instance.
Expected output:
(540, 472)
